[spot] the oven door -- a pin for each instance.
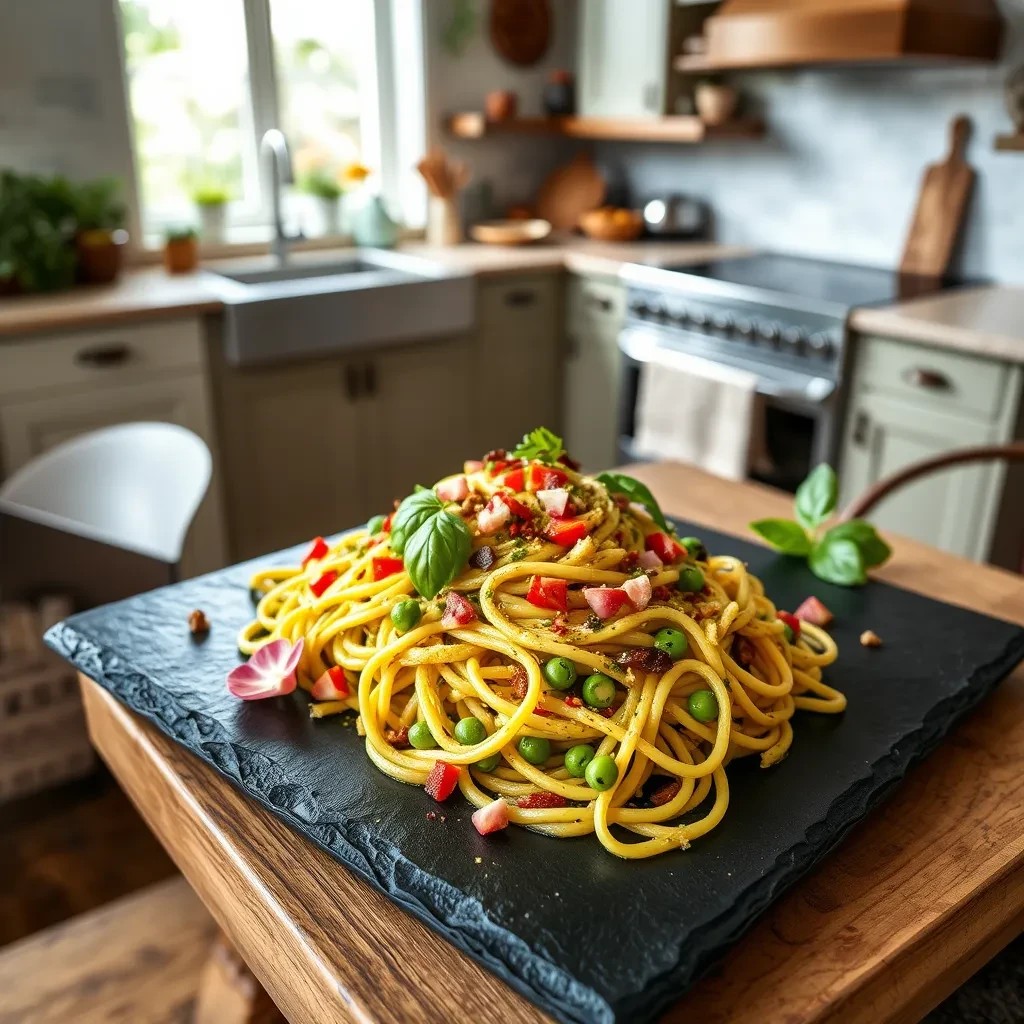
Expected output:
(800, 409)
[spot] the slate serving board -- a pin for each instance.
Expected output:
(584, 935)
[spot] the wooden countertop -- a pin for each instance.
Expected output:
(915, 900)
(986, 321)
(148, 293)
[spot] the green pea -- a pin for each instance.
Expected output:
(535, 749)
(787, 629)
(397, 542)
(703, 705)
(695, 548)
(691, 579)
(672, 641)
(470, 731)
(560, 673)
(406, 615)
(375, 525)
(421, 737)
(488, 764)
(599, 690)
(601, 773)
(577, 758)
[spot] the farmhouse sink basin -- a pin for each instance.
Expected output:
(367, 297)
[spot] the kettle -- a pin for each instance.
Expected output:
(676, 216)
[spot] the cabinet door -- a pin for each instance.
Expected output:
(31, 426)
(518, 376)
(292, 451)
(593, 372)
(954, 510)
(418, 424)
(623, 58)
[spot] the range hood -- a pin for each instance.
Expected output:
(780, 33)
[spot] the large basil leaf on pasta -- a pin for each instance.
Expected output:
(411, 515)
(436, 552)
(619, 483)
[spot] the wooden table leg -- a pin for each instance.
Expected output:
(229, 992)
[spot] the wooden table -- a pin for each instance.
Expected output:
(922, 894)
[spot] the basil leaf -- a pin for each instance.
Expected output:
(436, 552)
(816, 497)
(873, 550)
(542, 444)
(415, 511)
(784, 535)
(619, 483)
(838, 561)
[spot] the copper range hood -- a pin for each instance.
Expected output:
(781, 33)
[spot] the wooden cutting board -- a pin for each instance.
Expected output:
(941, 208)
(571, 191)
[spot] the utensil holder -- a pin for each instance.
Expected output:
(444, 221)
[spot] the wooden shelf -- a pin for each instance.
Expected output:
(1010, 143)
(473, 125)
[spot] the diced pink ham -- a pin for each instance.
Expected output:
(491, 818)
(457, 611)
(814, 612)
(555, 500)
(472, 466)
(606, 601)
(639, 590)
(453, 489)
(493, 516)
(649, 560)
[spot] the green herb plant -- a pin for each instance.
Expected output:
(181, 233)
(619, 483)
(433, 542)
(320, 184)
(211, 195)
(841, 554)
(541, 444)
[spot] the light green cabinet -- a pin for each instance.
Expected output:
(910, 403)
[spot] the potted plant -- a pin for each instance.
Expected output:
(212, 201)
(326, 191)
(181, 250)
(37, 227)
(100, 237)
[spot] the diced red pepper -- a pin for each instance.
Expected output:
(457, 611)
(814, 612)
(516, 507)
(548, 592)
(544, 478)
(515, 479)
(386, 525)
(317, 550)
(491, 818)
(566, 531)
(442, 780)
(321, 583)
(534, 801)
(573, 702)
(664, 547)
(384, 567)
(332, 685)
(541, 712)
(790, 620)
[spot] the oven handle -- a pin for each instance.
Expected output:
(816, 390)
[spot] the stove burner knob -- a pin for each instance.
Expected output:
(698, 319)
(770, 332)
(820, 344)
(658, 311)
(744, 327)
(639, 308)
(679, 317)
(722, 322)
(793, 338)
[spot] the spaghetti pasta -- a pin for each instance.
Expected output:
(614, 672)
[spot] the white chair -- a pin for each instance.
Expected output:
(134, 486)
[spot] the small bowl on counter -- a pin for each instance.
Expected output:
(612, 224)
(510, 232)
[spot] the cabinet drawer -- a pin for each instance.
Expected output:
(948, 382)
(595, 305)
(100, 356)
(518, 303)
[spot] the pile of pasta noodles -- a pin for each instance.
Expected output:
(525, 597)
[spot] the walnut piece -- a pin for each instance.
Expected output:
(869, 638)
(198, 622)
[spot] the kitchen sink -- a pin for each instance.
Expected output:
(307, 308)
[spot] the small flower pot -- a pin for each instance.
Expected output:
(501, 105)
(330, 215)
(100, 255)
(212, 221)
(181, 255)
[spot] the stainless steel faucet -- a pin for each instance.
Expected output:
(274, 143)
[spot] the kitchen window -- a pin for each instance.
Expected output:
(206, 79)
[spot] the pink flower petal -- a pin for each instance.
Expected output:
(270, 672)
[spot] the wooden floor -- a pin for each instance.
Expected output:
(70, 850)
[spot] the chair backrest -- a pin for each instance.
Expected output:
(134, 486)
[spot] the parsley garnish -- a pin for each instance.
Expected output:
(541, 444)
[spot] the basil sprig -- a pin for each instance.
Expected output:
(619, 483)
(541, 444)
(433, 542)
(842, 554)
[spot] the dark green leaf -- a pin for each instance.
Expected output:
(436, 552)
(816, 497)
(541, 444)
(415, 511)
(873, 550)
(839, 562)
(784, 535)
(619, 483)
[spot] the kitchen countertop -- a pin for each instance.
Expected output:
(149, 293)
(986, 321)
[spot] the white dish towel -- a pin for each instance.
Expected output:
(698, 411)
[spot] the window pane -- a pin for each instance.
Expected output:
(326, 74)
(187, 68)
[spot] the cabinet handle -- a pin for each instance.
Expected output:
(370, 379)
(929, 380)
(861, 423)
(351, 382)
(599, 303)
(520, 297)
(103, 356)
